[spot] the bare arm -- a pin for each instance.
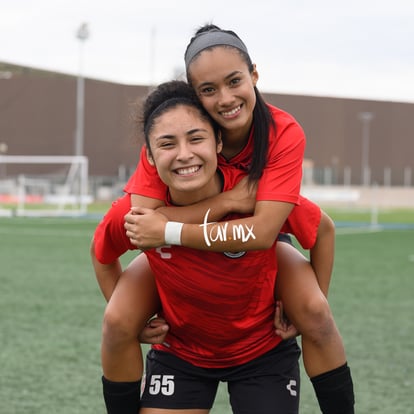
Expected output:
(251, 233)
(241, 199)
(322, 253)
(256, 232)
(107, 275)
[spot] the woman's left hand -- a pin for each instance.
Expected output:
(284, 328)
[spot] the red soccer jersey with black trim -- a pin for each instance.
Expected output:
(219, 306)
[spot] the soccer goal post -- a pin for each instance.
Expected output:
(44, 185)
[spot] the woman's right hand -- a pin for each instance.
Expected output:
(283, 327)
(154, 332)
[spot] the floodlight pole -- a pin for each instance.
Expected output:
(153, 36)
(3, 167)
(366, 118)
(82, 34)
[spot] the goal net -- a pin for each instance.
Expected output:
(43, 185)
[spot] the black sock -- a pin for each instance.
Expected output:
(121, 397)
(335, 391)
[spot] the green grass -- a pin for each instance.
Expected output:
(385, 216)
(51, 311)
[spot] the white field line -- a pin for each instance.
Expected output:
(343, 231)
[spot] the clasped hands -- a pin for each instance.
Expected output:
(157, 328)
(145, 227)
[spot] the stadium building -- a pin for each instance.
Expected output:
(349, 141)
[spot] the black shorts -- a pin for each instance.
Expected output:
(285, 237)
(267, 385)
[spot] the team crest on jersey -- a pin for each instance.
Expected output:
(234, 255)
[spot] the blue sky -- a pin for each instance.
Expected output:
(358, 48)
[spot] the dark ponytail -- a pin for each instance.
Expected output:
(263, 122)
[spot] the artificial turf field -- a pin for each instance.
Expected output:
(51, 310)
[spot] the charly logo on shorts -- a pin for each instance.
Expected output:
(234, 255)
(290, 388)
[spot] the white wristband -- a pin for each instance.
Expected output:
(173, 233)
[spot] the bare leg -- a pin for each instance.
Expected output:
(132, 303)
(309, 311)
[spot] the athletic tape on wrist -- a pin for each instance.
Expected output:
(173, 233)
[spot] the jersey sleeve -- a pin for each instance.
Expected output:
(303, 223)
(110, 240)
(282, 176)
(145, 180)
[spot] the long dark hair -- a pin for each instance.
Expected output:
(263, 121)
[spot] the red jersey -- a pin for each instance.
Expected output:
(219, 306)
(281, 177)
(110, 239)
(303, 222)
